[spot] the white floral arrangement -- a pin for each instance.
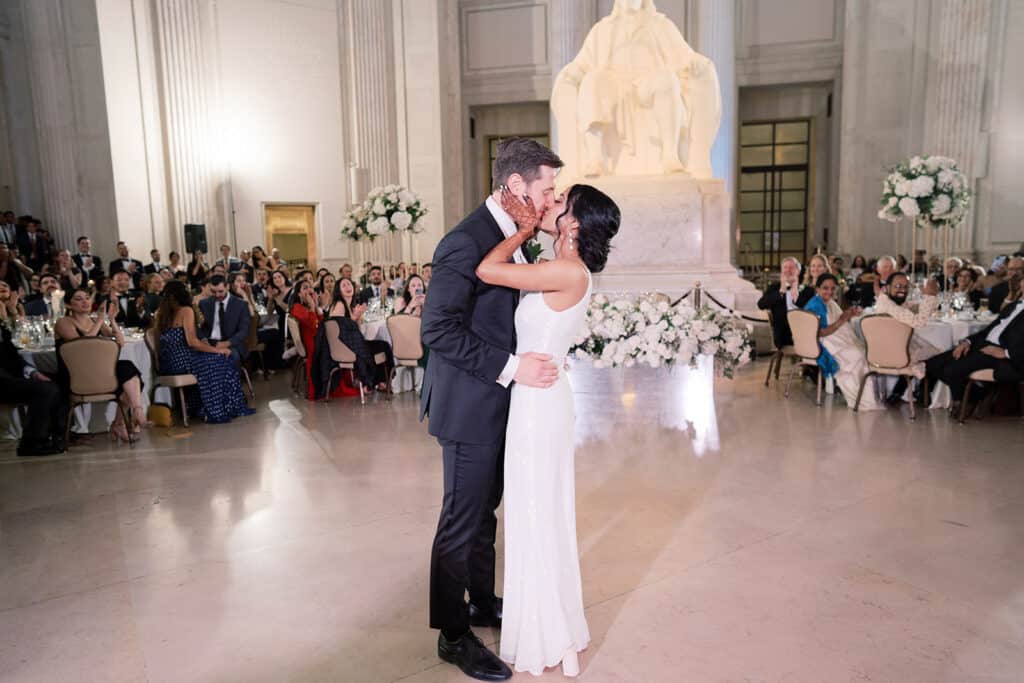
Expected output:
(628, 331)
(391, 208)
(929, 190)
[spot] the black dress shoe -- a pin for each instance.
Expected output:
(473, 658)
(489, 615)
(32, 451)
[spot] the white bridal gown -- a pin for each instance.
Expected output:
(543, 609)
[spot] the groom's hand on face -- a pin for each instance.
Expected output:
(536, 370)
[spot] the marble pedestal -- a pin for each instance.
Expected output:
(674, 233)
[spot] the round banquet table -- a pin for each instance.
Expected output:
(86, 420)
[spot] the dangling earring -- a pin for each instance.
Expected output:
(572, 242)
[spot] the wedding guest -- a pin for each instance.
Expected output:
(305, 275)
(259, 258)
(902, 263)
(20, 383)
(42, 303)
(1001, 291)
(325, 291)
(131, 305)
(12, 270)
(218, 397)
(364, 279)
(9, 230)
(306, 311)
(1000, 347)
(785, 296)
(270, 335)
(414, 269)
(920, 265)
(10, 304)
(893, 302)
(91, 266)
(369, 373)
(842, 354)
(344, 294)
(411, 301)
(154, 264)
(884, 269)
(816, 267)
(176, 265)
(197, 271)
(966, 285)
(152, 286)
(230, 263)
(259, 286)
(34, 248)
(79, 322)
(125, 263)
(857, 266)
(225, 322)
(345, 270)
(428, 271)
(70, 276)
(376, 289)
(950, 270)
(275, 259)
(33, 286)
(279, 294)
(401, 275)
(836, 267)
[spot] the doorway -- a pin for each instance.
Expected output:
(291, 228)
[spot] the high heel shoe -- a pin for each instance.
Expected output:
(118, 433)
(571, 664)
(139, 420)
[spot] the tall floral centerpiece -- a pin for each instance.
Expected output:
(931, 191)
(387, 209)
(624, 331)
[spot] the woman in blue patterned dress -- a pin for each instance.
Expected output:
(219, 398)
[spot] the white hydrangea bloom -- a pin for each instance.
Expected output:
(941, 205)
(909, 207)
(401, 220)
(378, 226)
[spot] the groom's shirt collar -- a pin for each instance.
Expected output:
(505, 222)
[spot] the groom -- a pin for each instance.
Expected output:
(469, 328)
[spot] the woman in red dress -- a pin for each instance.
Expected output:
(306, 310)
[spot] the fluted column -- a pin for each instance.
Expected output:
(954, 113)
(569, 23)
(187, 83)
(715, 32)
(50, 79)
(369, 72)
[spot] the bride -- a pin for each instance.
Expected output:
(543, 622)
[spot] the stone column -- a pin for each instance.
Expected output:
(954, 112)
(715, 32)
(196, 179)
(569, 23)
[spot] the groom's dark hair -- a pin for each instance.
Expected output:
(523, 156)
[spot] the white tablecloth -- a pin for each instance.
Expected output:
(376, 330)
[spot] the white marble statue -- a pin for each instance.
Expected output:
(637, 100)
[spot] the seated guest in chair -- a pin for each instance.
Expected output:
(411, 301)
(1000, 346)
(42, 303)
(131, 304)
(10, 304)
(218, 398)
(305, 309)
(967, 286)
(892, 301)
(79, 322)
(375, 289)
(788, 295)
(1001, 291)
(370, 374)
(225, 320)
(21, 383)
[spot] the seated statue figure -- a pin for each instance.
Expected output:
(636, 100)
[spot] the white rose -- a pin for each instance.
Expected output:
(378, 226)
(909, 207)
(379, 208)
(942, 204)
(401, 220)
(922, 186)
(902, 188)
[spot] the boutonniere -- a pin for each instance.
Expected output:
(534, 249)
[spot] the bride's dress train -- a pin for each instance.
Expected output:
(543, 622)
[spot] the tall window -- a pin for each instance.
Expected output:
(773, 197)
(492, 151)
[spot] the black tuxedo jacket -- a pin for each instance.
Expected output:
(97, 266)
(998, 295)
(116, 267)
(1012, 338)
(367, 293)
(131, 318)
(11, 361)
(34, 254)
(469, 327)
(151, 268)
(774, 300)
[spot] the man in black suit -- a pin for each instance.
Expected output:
(20, 383)
(131, 309)
(34, 247)
(1000, 346)
(469, 328)
(784, 297)
(1001, 291)
(376, 284)
(225, 319)
(155, 265)
(9, 230)
(91, 266)
(41, 302)
(124, 262)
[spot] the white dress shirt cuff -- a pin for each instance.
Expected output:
(509, 373)
(28, 371)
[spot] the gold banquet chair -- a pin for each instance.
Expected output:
(888, 352)
(804, 326)
(344, 358)
(172, 382)
(405, 344)
(775, 362)
(92, 366)
(299, 366)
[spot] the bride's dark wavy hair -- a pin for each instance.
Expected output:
(599, 217)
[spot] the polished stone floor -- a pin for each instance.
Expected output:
(726, 534)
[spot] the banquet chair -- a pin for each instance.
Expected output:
(888, 352)
(804, 326)
(344, 358)
(986, 376)
(405, 344)
(778, 355)
(92, 366)
(172, 382)
(299, 366)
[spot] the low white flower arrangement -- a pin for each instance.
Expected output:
(391, 208)
(931, 191)
(624, 331)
